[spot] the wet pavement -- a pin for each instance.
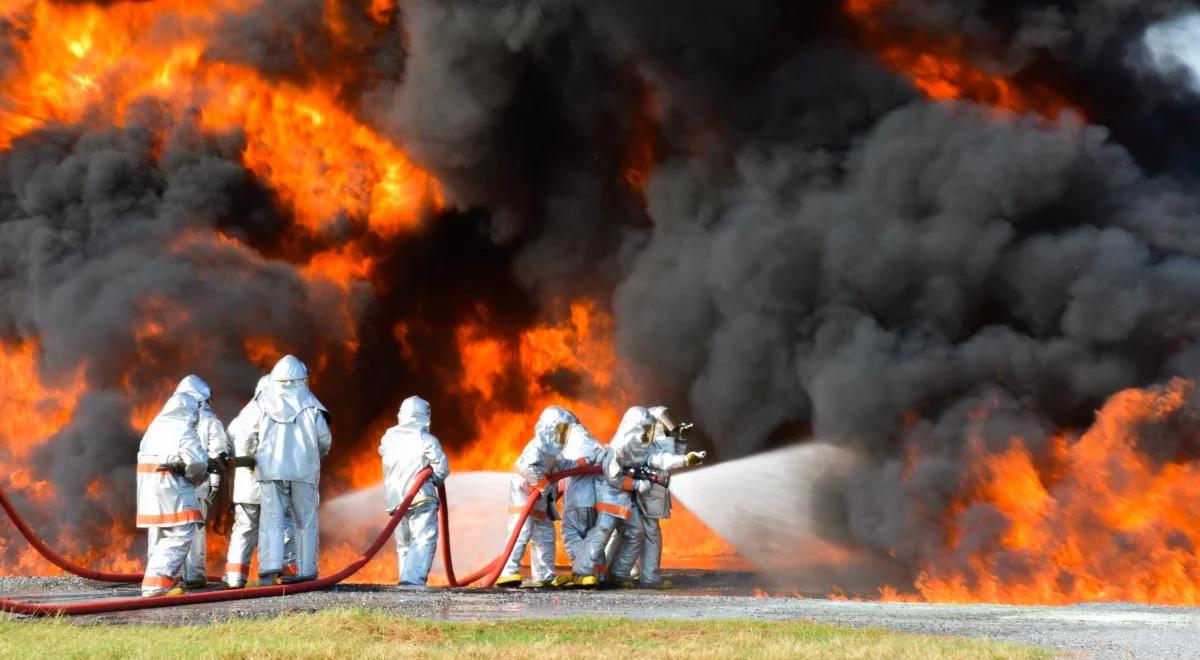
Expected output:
(1105, 630)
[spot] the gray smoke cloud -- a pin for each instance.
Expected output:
(937, 261)
(94, 228)
(817, 247)
(925, 280)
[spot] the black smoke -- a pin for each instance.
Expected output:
(818, 248)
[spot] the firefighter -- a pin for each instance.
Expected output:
(541, 456)
(406, 449)
(293, 436)
(167, 507)
(243, 537)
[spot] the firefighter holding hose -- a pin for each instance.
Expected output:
(406, 449)
(579, 493)
(670, 451)
(626, 477)
(216, 444)
(167, 507)
(541, 456)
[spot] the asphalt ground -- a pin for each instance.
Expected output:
(1100, 630)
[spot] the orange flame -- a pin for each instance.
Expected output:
(105, 64)
(1092, 519)
(580, 347)
(33, 410)
(939, 69)
(641, 147)
(92, 62)
(323, 163)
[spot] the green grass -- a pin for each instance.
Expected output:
(356, 633)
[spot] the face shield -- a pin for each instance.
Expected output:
(666, 424)
(647, 435)
(666, 420)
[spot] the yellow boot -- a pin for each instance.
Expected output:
(585, 580)
(508, 581)
(176, 590)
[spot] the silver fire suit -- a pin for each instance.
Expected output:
(619, 495)
(293, 437)
(166, 501)
(655, 504)
(614, 495)
(243, 537)
(215, 441)
(578, 494)
(541, 456)
(406, 449)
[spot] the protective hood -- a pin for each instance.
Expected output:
(287, 395)
(569, 415)
(288, 368)
(414, 411)
(580, 443)
(633, 430)
(261, 386)
(547, 429)
(664, 421)
(180, 411)
(194, 387)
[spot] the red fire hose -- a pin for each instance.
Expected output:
(61, 561)
(57, 559)
(491, 570)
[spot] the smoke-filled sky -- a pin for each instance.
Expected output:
(808, 245)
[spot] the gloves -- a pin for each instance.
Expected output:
(642, 486)
(696, 457)
(214, 483)
(215, 465)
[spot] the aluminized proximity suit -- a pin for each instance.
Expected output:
(668, 452)
(215, 442)
(406, 449)
(578, 494)
(166, 501)
(293, 437)
(243, 537)
(629, 449)
(655, 504)
(541, 456)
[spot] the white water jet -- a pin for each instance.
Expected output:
(762, 505)
(478, 504)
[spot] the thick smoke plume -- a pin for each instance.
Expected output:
(794, 240)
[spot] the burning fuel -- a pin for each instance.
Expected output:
(950, 249)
